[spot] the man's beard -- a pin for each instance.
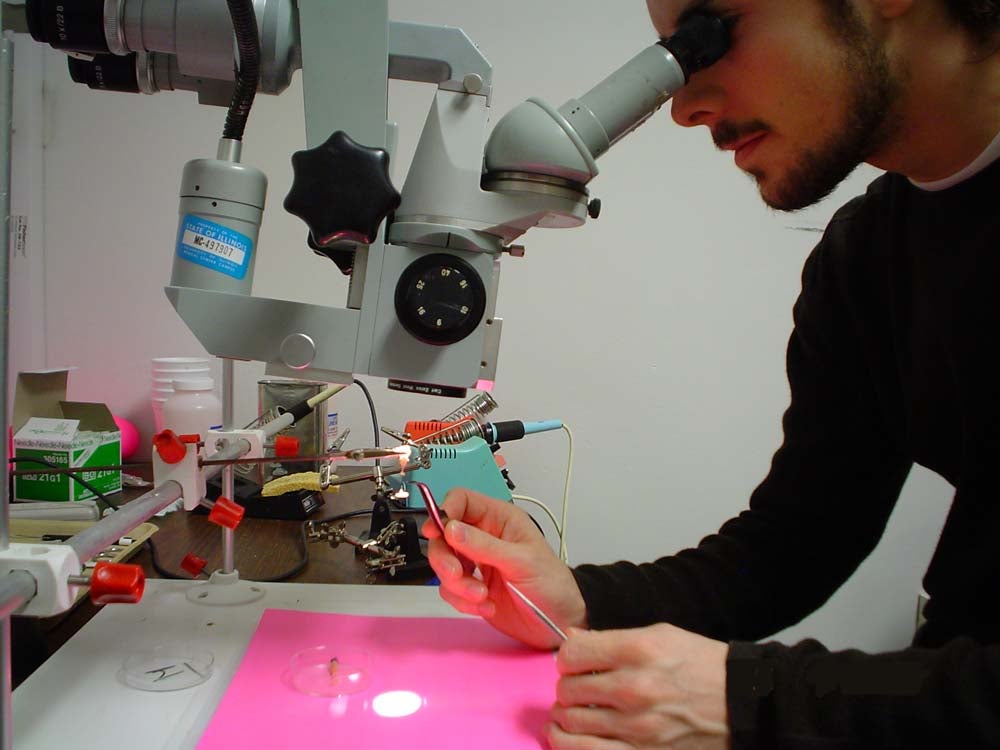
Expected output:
(868, 124)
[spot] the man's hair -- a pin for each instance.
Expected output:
(979, 18)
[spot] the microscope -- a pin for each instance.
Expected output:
(423, 262)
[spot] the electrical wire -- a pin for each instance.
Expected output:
(563, 552)
(248, 72)
(549, 513)
(559, 525)
(371, 408)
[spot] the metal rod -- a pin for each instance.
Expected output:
(228, 551)
(6, 686)
(227, 392)
(226, 456)
(369, 477)
(77, 469)
(111, 528)
(16, 589)
(6, 111)
(356, 455)
(6, 128)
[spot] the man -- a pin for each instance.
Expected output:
(892, 361)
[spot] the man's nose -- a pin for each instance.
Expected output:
(700, 102)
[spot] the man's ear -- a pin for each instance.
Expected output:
(887, 9)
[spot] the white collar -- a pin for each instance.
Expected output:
(987, 157)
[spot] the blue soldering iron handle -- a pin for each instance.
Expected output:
(531, 428)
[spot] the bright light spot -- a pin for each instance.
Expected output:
(397, 703)
(404, 455)
(401, 494)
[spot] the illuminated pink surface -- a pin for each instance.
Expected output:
(478, 688)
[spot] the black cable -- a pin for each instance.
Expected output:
(371, 408)
(248, 72)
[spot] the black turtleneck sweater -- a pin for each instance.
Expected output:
(893, 360)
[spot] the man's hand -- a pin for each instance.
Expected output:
(503, 543)
(642, 689)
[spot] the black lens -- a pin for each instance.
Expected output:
(76, 25)
(106, 72)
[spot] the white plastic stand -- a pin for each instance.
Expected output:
(225, 589)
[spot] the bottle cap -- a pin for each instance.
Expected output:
(194, 384)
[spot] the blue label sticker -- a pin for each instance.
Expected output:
(214, 246)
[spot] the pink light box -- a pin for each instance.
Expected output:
(438, 683)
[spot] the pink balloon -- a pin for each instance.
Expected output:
(130, 437)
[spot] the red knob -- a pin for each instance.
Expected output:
(226, 513)
(193, 564)
(286, 446)
(169, 447)
(116, 582)
(194, 439)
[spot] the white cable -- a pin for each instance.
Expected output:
(563, 552)
(560, 526)
(549, 513)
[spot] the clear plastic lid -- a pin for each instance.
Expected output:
(165, 667)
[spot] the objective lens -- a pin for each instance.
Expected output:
(106, 72)
(68, 25)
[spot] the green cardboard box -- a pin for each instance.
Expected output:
(69, 434)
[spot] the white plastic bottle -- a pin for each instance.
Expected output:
(193, 408)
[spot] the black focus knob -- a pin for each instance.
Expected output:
(342, 190)
(440, 299)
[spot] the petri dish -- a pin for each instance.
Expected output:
(166, 667)
(328, 671)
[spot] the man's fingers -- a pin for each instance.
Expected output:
(592, 720)
(477, 607)
(481, 547)
(585, 690)
(589, 651)
(559, 739)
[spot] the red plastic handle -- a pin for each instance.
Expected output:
(193, 564)
(286, 446)
(226, 513)
(169, 447)
(116, 583)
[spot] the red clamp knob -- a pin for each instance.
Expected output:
(193, 564)
(169, 447)
(226, 513)
(116, 582)
(286, 446)
(193, 439)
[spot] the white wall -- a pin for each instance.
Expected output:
(657, 333)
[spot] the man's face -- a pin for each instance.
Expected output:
(801, 98)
